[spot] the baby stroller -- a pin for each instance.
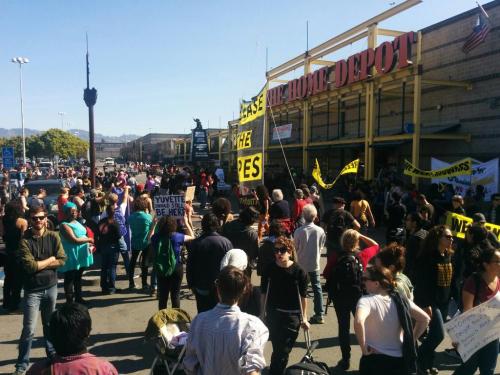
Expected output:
(168, 330)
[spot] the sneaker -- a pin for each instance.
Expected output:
(453, 354)
(19, 372)
(153, 291)
(317, 319)
(344, 364)
(433, 371)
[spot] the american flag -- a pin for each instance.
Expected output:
(479, 32)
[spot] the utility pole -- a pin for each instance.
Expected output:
(90, 98)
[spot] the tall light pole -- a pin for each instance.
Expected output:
(90, 98)
(62, 119)
(21, 61)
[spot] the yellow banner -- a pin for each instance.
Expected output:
(460, 168)
(251, 110)
(458, 225)
(352, 167)
(244, 140)
(250, 167)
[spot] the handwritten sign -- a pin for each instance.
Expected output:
(476, 327)
(190, 193)
(169, 205)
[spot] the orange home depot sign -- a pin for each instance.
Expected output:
(356, 68)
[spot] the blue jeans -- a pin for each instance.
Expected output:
(485, 359)
(125, 253)
(45, 301)
(426, 351)
(318, 293)
(109, 260)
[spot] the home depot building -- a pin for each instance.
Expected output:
(412, 95)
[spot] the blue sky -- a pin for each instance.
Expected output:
(157, 64)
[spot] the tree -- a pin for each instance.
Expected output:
(63, 144)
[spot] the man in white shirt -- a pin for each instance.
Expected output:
(309, 240)
(226, 340)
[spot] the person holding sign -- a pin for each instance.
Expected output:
(167, 243)
(479, 288)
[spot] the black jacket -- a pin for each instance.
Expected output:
(204, 257)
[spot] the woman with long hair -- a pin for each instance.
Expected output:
(384, 310)
(78, 257)
(166, 235)
(109, 246)
(392, 257)
(284, 287)
(221, 207)
(14, 225)
(479, 288)
(434, 271)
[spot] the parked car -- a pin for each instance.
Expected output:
(51, 186)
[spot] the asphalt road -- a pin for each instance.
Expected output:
(119, 322)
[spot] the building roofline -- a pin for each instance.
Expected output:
(459, 17)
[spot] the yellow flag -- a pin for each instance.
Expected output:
(352, 167)
(461, 167)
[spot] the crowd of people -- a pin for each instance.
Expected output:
(399, 294)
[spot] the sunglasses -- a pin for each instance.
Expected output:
(280, 250)
(38, 218)
(448, 237)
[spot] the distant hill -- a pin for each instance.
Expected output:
(83, 134)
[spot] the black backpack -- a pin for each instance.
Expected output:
(336, 224)
(345, 279)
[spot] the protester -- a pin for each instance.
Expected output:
(384, 311)
(243, 236)
(457, 204)
(395, 220)
(204, 257)
(284, 286)
(70, 327)
(479, 288)
(309, 241)
(225, 327)
(40, 254)
(392, 257)
(264, 204)
(298, 205)
(493, 211)
(434, 270)
(141, 224)
(14, 226)
(221, 207)
(361, 210)
(280, 208)
(166, 244)
(479, 219)
(266, 249)
(415, 236)
(61, 201)
(78, 256)
(335, 222)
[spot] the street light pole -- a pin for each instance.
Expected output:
(90, 98)
(21, 61)
(62, 119)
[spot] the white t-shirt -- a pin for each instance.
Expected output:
(383, 331)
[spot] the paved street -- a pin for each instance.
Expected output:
(119, 322)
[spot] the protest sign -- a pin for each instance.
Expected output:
(169, 205)
(458, 225)
(189, 196)
(485, 174)
(476, 327)
(462, 167)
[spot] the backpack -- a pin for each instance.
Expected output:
(336, 224)
(308, 367)
(165, 261)
(345, 279)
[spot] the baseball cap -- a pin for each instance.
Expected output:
(338, 200)
(478, 218)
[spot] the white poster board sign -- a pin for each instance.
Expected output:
(475, 328)
(282, 132)
(485, 174)
(190, 193)
(169, 205)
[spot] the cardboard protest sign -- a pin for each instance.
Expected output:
(190, 193)
(169, 205)
(476, 327)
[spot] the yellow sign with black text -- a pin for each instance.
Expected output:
(250, 167)
(460, 168)
(458, 225)
(253, 109)
(352, 167)
(244, 140)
